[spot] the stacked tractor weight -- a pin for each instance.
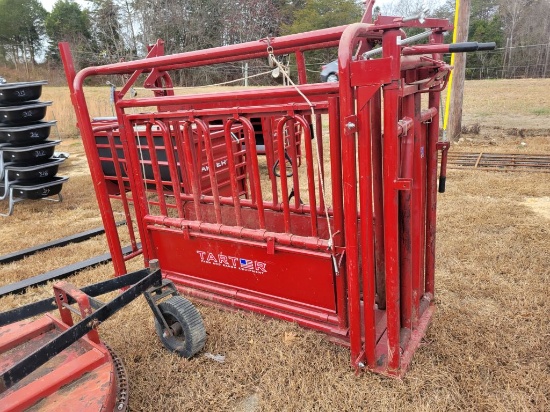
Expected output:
(27, 167)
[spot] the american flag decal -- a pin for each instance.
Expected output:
(232, 262)
(247, 264)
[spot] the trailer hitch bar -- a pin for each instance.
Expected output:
(143, 281)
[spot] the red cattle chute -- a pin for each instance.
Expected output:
(335, 234)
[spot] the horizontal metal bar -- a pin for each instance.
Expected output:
(60, 273)
(316, 93)
(403, 42)
(285, 239)
(78, 237)
(36, 359)
(47, 305)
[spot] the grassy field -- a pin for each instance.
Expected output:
(487, 347)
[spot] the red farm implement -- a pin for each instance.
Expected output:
(332, 226)
(311, 203)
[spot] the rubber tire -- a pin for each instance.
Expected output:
(332, 78)
(193, 335)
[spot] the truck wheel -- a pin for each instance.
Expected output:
(185, 323)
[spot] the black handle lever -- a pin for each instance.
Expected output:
(487, 46)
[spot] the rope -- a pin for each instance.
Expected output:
(314, 124)
(207, 85)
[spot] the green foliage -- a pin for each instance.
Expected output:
(106, 27)
(21, 28)
(485, 26)
(67, 22)
(321, 14)
(486, 30)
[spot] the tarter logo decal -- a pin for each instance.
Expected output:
(232, 262)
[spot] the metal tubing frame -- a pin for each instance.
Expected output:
(87, 325)
(397, 283)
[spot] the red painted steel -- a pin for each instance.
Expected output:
(85, 367)
(243, 209)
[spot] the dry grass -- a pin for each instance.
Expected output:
(513, 107)
(486, 349)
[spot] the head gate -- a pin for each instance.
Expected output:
(312, 203)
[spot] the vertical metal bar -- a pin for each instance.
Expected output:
(310, 174)
(433, 136)
(155, 167)
(405, 203)
(124, 198)
(176, 127)
(233, 171)
(202, 129)
(321, 177)
(254, 170)
(192, 171)
(349, 174)
(172, 167)
(418, 214)
(249, 169)
(282, 169)
(88, 140)
(293, 153)
(301, 67)
(337, 204)
(367, 230)
(391, 216)
(129, 140)
(267, 129)
(378, 205)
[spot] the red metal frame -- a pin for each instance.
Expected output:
(353, 259)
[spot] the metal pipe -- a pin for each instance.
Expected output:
(431, 189)
(254, 172)
(400, 42)
(337, 207)
(367, 233)
(204, 131)
(104, 203)
(282, 169)
(378, 207)
(405, 212)
(284, 239)
(232, 171)
(192, 172)
(418, 214)
(349, 162)
(310, 171)
(172, 165)
(391, 215)
(152, 149)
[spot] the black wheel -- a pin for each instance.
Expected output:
(185, 322)
(332, 78)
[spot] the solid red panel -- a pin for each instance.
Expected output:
(303, 277)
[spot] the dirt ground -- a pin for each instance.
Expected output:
(487, 346)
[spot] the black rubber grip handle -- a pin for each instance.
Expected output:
(442, 180)
(469, 46)
(487, 46)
